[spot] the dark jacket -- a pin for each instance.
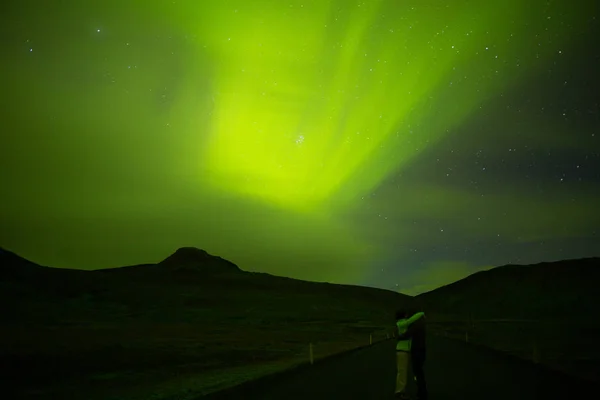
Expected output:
(418, 333)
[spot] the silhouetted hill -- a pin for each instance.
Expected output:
(191, 312)
(196, 274)
(548, 290)
(544, 313)
(12, 266)
(199, 260)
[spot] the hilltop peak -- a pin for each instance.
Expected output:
(190, 252)
(198, 259)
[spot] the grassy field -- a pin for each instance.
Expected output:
(149, 363)
(569, 346)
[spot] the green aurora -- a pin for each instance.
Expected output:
(314, 101)
(259, 131)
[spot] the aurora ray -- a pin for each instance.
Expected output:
(316, 102)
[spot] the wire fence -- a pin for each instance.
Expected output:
(570, 346)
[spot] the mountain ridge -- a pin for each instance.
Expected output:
(544, 290)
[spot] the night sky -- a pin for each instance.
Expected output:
(390, 143)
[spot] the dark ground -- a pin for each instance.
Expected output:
(160, 330)
(454, 370)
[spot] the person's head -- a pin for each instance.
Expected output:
(400, 314)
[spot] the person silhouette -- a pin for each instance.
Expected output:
(403, 350)
(416, 333)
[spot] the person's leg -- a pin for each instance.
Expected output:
(418, 362)
(402, 369)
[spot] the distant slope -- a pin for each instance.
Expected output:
(189, 282)
(192, 313)
(549, 290)
(13, 267)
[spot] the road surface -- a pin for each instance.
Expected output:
(454, 370)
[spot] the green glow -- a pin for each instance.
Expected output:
(310, 95)
(253, 129)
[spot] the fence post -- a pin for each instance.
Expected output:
(371, 338)
(467, 336)
(310, 353)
